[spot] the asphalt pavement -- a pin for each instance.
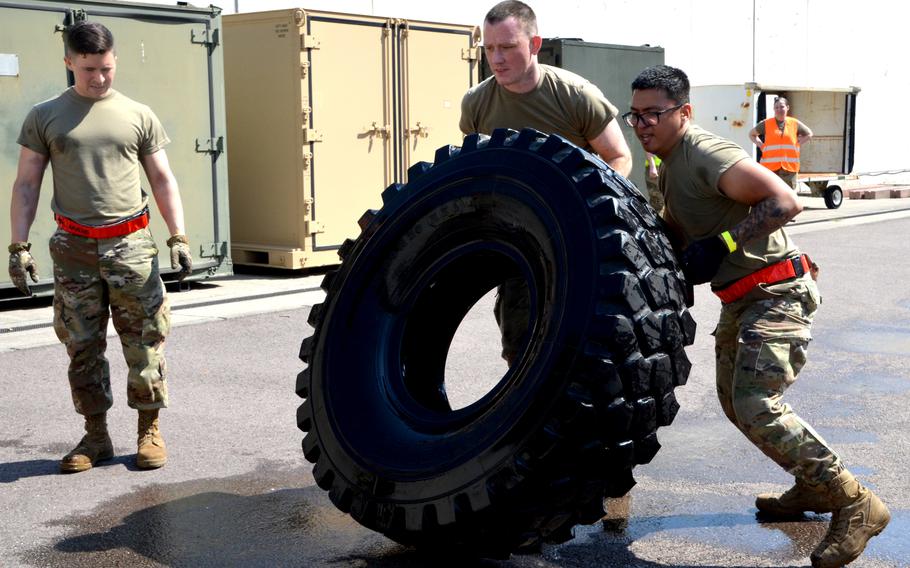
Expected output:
(237, 491)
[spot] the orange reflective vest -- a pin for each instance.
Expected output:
(781, 149)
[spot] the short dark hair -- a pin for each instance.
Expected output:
(514, 9)
(670, 80)
(88, 38)
(783, 100)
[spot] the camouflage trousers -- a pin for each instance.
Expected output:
(512, 312)
(118, 277)
(761, 345)
(790, 178)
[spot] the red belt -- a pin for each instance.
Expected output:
(783, 270)
(123, 227)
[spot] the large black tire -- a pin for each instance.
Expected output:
(570, 419)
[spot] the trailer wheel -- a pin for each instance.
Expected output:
(579, 408)
(834, 196)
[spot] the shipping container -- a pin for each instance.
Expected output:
(826, 161)
(612, 68)
(324, 111)
(169, 58)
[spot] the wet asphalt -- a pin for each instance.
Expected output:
(237, 491)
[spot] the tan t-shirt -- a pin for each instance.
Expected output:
(695, 203)
(562, 103)
(94, 148)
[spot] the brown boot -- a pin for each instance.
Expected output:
(858, 516)
(795, 501)
(95, 446)
(151, 452)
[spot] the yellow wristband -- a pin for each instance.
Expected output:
(728, 240)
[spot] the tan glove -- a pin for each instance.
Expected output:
(181, 257)
(22, 263)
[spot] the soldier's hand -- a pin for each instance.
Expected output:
(181, 257)
(22, 265)
(701, 259)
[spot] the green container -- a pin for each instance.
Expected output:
(168, 57)
(612, 68)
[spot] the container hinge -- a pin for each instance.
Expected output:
(213, 146)
(206, 37)
(304, 69)
(213, 250)
(312, 226)
(72, 17)
(307, 160)
(309, 42)
(470, 53)
(310, 136)
(315, 227)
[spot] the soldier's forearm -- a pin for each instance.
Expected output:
(23, 208)
(765, 217)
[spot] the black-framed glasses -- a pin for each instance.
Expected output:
(650, 118)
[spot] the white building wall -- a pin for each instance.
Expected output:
(806, 43)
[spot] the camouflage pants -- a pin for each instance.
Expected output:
(512, 311)
(790, 178)
(761, 345)
(95, 278)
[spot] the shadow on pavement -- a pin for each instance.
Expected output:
(256, 520)
(11, 472)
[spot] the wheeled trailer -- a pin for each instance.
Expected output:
(826, 161)
(827, 186)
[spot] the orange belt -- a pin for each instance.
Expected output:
(783, 270)
(123, 227)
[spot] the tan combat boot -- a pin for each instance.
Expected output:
(797, 500)
(95, 446)
(151, 452)
(858, 516)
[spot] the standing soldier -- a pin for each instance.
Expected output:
(523, 93)
(728, 213)
(105, 260)
(780, 138)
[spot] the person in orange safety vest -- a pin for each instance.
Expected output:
(780, 138)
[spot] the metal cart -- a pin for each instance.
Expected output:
(825, 185)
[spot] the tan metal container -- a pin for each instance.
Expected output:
(325, 110)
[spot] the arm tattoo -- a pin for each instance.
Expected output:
(765, 217)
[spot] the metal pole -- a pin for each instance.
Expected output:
(236, 6)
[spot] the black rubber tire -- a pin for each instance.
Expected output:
(834, 196)
(578, 409)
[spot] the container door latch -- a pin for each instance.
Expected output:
(206, 37)
(212, 146)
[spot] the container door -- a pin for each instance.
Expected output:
(161, 65)
(612, 68)
(438, 64)
(350, 121)
(31, 71)
(826, 113)
(849, 132)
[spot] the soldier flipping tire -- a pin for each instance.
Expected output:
(580, 406)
